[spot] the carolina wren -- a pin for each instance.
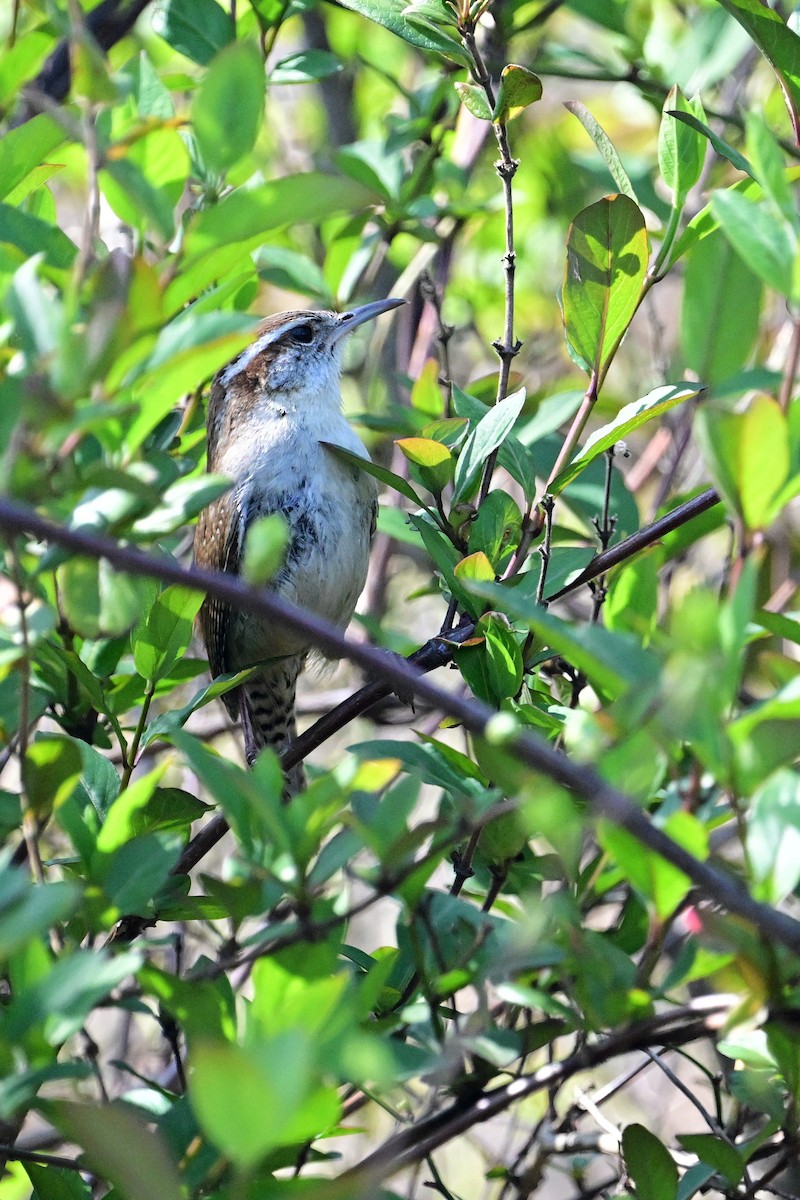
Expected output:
(269, 410)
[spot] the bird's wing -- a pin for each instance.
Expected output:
(218, 547)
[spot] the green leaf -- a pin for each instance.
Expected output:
(182, 501)
(23, 149)
(21, 61)
(606, 147)
(232, 1088)
(426, 395)
(135, 873)
(773, 836)
(247, 214)
(613, 662)
(65, 996)
(252, 807)
(519, 88)
(657, 879)
(188, 352)
(121, 823)
(445, 558)
(425, 451)
(717, 1153)
(512, 456)
(490, 433)
(705, 222)
(436, 463)
(229, 105)
(91, 77)
(294, 272)
(503, 655)
(382, 474)
(632, 602)
(496, 526)
(764, 239)
(57, 1183)
(121, 1147)
(474, 100)
(779, 45)
(391, 14)
(191, 330)
(265, 548)
(769, 165)
(29, 910)
(33, 236)
(765, 737)
(134, 198)
(723, 148)
(196, 28)
(720, 310)
(374, 165)
(430, 761)
(98, 600)
(305, 66)
(748, 456)
(474, 566)
(607, 252)
(659, 401)
(167, 631)
(50, 771)
(166, 723)
(649, 1164)
(681, 149)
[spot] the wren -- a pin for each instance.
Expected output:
(269, 412)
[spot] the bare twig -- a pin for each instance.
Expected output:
(507, 347)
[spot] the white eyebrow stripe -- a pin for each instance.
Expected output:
(243, 361)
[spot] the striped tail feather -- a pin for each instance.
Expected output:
(266, 709)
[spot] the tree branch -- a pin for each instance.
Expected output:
(675, 1028)
(108, 23)
(525, 745)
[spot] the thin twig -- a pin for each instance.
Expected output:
(507, 347)
(605, 525)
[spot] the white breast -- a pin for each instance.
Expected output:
(282, 467)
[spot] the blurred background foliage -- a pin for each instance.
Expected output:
(435, 967)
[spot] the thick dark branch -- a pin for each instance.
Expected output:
(526, 746)
(108, 23)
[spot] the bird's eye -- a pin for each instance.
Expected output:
(304, 334)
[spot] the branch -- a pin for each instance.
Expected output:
(640, 540)
(525, 745)
(108, 23)
(506, 347)
(675, 1028)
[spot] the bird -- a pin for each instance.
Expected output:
(270, 411)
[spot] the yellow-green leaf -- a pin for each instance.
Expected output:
(424, 451)
(519, 87)
(475, 566)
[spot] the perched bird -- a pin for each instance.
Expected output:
(269, 411)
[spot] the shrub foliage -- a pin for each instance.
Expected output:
(579, 852)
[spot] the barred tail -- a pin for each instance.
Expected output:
(266, 708)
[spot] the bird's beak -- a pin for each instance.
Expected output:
(357, 316)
